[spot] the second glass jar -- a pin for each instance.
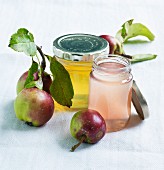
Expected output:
(111, 89)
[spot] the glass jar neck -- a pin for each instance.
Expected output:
(114, 67)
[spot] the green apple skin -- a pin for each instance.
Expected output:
(45, 78)
(34, 106)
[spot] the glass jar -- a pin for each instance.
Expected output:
(76, 53)
(111, 90)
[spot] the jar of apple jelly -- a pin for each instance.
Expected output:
(111, 90)
(76, 53)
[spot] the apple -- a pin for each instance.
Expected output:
(114, 44)
(87, 126)
(34, 106)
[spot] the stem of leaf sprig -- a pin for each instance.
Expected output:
(43, 63)
(124, 55)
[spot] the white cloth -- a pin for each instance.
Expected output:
(140, 146)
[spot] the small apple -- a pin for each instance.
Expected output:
(87, 126)
(45, 77)
(115, 45)
(34, 106)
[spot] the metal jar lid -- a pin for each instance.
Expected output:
(139, 102)
(79, 47)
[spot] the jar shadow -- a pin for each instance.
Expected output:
(134, 121)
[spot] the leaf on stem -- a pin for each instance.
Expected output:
(61, 88)
(142, 57)
(23, 41)
(125, 28)
(30, 78)
(38, 83)
(130, 30)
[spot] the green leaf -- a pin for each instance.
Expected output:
(23, 41)
(32, 70)
(130, 30)
(142, 57)
(31, 84)
(61, 88)
(38, 84)
(125, 28)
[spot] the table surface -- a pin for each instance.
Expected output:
(139, 146)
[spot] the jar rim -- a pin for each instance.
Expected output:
(113, 58)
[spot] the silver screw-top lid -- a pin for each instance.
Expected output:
(80, 47)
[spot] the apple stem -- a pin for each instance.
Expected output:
(43, 63)
(78, 144)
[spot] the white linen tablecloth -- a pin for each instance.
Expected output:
(140, 146)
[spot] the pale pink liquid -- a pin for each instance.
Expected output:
(111, 97)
